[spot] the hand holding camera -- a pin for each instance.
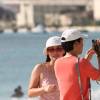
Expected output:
(96, 46)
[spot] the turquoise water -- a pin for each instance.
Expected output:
(18, 55)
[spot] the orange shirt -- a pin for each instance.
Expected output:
(67, 77)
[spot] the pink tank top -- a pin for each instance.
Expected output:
(48, 77)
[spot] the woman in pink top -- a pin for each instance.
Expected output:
(43, 81)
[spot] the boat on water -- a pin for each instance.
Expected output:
(39, 29)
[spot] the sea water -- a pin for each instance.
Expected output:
(19, 53)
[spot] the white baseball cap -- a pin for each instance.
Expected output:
(53, 41)
(70, 35)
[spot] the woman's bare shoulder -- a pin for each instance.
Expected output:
(39, 67)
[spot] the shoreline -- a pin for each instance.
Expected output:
(82, 28)
(53, 29)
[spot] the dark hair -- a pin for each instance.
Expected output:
(68, 46)
(48, 58)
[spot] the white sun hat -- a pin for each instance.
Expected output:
(70, 35)
(53, 41)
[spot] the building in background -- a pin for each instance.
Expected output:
(96, 9)
(30, 13)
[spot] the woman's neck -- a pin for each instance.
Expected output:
(71, 54)
(52, 63)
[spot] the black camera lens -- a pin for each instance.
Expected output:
(93, 41)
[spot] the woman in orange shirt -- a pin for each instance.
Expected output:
(72, 72)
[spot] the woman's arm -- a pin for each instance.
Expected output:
(89, 54)
(34, 89)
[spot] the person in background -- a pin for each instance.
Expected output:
(18, 92)
(73, 73)
(43, 82)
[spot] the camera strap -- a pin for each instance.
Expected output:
(90, 89)
(79, 79)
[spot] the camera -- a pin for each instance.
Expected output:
(96, 47)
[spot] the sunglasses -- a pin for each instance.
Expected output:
(52, 49)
